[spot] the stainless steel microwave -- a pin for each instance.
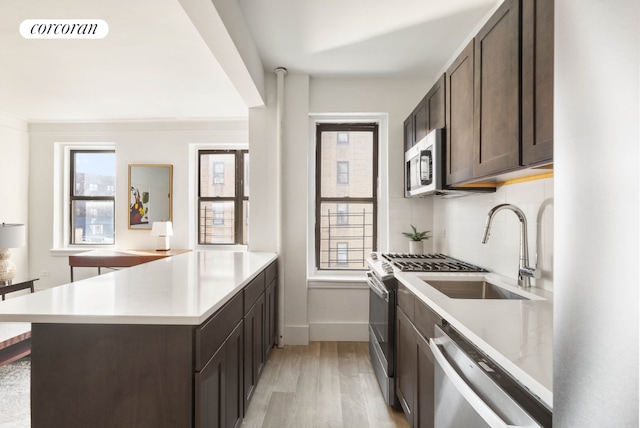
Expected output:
(424, 172)
(422, 164)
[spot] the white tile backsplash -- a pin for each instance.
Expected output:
(458, 224)
(404, 212)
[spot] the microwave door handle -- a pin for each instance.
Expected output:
(483, 410)
(426, 162)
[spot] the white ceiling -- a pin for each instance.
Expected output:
(154, 64)
(361, 37)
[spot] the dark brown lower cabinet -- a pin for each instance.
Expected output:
(104, 376)
(406, 364)
(219, 401)
(271, 317)
(155, 376)
(254, 355)
(425, 365)
(416, 365)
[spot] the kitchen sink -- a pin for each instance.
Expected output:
(460, 289)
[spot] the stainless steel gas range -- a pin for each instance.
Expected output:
(382, 306)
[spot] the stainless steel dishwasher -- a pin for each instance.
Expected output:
(473, 391)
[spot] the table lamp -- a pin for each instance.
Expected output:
(11, 236)
(163, 230)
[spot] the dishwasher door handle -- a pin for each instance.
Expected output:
(483, 410)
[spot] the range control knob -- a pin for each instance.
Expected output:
(387, 267)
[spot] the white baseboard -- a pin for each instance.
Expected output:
(340, 332)
(296, 335)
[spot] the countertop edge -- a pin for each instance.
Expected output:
(535, 386)
(131, 319)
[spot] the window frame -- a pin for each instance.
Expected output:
(320, 127)
(238, 199)
(71, 198)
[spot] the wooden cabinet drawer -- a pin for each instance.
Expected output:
(425, 318)
(406, 300)
(212, 334)
(272, 273)
(253, 291)
(218, 391)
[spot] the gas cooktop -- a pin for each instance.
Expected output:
(429, 263)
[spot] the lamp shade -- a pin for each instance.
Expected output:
(12, 235)
(162, 228)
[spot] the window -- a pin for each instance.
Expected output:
(342, 210)
(92, 197)
(343, 172)
(223, 196)
(218, 173)
(342, 253)
(218, 213)
(346, 204)
(343, 138)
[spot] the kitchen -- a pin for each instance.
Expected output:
(574, 251)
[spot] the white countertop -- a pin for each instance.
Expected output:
(181, 290)
(516, 334)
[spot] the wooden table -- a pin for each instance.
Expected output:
(15, 341)
(15, 338)
(21, 284)
(115, 259)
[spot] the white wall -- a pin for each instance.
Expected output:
(14, 188)
(311, 311)
(460, 224)
(597, 139)
(135, 142)
(396, 98)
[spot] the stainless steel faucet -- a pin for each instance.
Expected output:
(524, 271)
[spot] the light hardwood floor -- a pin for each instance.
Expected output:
(322, 385)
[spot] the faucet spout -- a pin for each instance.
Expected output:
(524, 271)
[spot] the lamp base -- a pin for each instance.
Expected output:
(162, 243)
(7, 267)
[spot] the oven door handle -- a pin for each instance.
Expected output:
(377, 288)
(478, 404)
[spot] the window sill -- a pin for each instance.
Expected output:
(70, 251)
(339, 280)
(222, 247)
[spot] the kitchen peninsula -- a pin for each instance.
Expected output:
(173, 342)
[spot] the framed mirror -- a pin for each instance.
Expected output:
(150, 191)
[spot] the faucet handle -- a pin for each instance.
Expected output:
(531, 272)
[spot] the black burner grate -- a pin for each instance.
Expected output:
(429, 263)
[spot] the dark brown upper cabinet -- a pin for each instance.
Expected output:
(435, 102)
(498, 97)
(421, 121)
(459, 117)
(417, 125)
(429, 114)
(497, 92)
(409, 137)
(537, 81)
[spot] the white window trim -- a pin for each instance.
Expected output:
(194, 148)
(62, 195)
(382, 119)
